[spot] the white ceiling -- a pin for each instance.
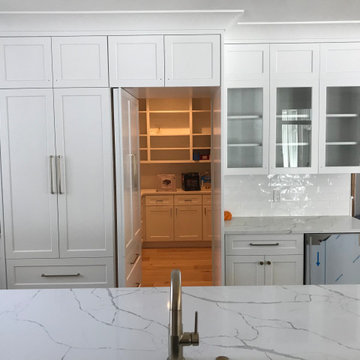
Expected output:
(138, 15)
(255, 10)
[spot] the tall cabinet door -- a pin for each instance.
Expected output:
(85, 172)
(28, 173)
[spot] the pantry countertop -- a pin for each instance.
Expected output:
(177, 192)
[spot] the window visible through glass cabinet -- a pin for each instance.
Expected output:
(293, 127)
(245, 128)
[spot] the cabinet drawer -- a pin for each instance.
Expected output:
(134, 277)
(188, 200)
(60, 273)
(264, 244)
(159, 200)
(206, 199)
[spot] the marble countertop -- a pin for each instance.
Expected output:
(177, 192)
(292, 225)
(274, 322)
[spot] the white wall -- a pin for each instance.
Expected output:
(300, 195)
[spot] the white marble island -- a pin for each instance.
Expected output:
(292, 322)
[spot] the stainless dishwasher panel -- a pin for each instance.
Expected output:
(332, 259)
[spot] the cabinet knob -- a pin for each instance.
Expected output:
(261, 263)
(268, 262)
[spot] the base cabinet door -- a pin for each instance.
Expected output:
(284, 270)
(245, 270)
(188, 223)
(159, 223)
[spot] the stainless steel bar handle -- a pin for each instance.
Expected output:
(60, 275)
(52, 158)
(270, 244)
(58, 174)
(134, 261)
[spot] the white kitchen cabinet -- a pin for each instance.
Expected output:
(188, 222)
(258, 259)
(192, 60)
(136, 61)
(340, 61)
(284, 269)
(127, 188)
(28, 173)
(294, 108)
(159, 223)
(247, 109)
(80, 61)
(85, 172)
(60, 273)
(294, 62)
(25, 62)
(244, 270)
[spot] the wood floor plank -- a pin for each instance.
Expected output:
(194, 263)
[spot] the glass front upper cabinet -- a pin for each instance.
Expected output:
(342, 138)
(293, 143)
(245, 131)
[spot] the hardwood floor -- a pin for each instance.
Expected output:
(194, 263)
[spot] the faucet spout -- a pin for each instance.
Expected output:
(177, 338)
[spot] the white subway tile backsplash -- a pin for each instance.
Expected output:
(299, 195)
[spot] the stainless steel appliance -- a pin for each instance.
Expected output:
(332, 258)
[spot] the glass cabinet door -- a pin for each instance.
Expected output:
(245, 128)
(342, 126)
(293, 127)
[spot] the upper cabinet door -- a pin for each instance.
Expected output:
(192, 60)
(28, 173)
(294, 61)
(80, 61)
(85, 172)
(246, 62)
(340, 61)
(136, 61)
(25, 62)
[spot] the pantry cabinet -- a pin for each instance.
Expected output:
(55, 203)
(177, 218)
(28, 173)
(159, 223)
(25, 62)
(264, 259)
(164, 60)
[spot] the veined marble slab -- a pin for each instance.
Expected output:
(292, 225)
(275, 322)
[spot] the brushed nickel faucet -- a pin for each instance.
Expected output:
(178, 339)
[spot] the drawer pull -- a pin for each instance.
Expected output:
(188, 200)
(159, 200)
(60, 275)
(135, 259)
(270, 244)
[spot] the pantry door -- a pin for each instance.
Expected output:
(216, 174)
